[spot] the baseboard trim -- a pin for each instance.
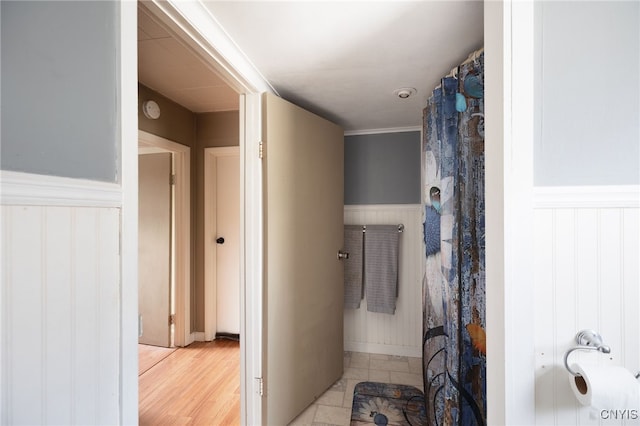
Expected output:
(376, 348)
(618, 196)
(229, 336)
(27, 189)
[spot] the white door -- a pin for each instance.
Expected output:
(222, 241)
(154, 248)
(303, 212)
(227, 219)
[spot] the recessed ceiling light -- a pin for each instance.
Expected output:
(404, 92)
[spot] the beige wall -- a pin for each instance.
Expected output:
(197, 131)
(218, 129)
(176, 123)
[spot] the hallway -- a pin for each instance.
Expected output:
(200, 384)
(195, 385)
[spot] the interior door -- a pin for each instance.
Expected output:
(154, 248)
(303, 204)
(228, 243)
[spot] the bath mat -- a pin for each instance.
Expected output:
(387, 404)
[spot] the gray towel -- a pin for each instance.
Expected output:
(353, 244)
(381, 247)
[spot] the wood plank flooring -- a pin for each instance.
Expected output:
(148, 356)
(195, 385)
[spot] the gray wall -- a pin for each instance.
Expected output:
(60, 88)
(588, 93)
(382, 168)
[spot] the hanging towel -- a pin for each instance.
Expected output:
(381, 247)
(353, 244)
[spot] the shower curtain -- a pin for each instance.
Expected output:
(454, 346)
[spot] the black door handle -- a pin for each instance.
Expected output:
(220, 240)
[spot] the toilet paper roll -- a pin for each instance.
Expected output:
(605, 387)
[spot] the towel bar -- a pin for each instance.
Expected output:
(400, 228)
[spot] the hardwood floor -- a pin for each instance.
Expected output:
(148, 356)
(195, 385)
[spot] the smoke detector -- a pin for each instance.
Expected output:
(151, 110)
(404, 92)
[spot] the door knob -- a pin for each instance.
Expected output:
(342, 255)
(220, 240)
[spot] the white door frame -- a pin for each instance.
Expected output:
(508, 390)
(210, 208)
(128, 139)
(199, 30)
(182, 220)
(509, 107)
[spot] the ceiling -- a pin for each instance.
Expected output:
(342, 59)
(168, 67)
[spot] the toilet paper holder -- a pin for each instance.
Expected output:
(587, 340)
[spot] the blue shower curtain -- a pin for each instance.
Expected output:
(454, 345)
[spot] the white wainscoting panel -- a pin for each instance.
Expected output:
(587, 276)
(60, 313)
(398, 334)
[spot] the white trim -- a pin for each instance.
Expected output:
(378, 207)
(509, 98)
(519, 349)
(377, 348)
(182, 274)
(223, 151)
(194, 25)
(41, 190)
(128, 148)
(150, 150)
(386, 130)
(496, 113)
(148, 142)
(619, 196)
(253, 404)
(210, 207)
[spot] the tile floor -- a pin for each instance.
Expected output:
(334, 406)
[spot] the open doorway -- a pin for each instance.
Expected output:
(170, 27)
(192, 101)
(196, 109)
(176, 251)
